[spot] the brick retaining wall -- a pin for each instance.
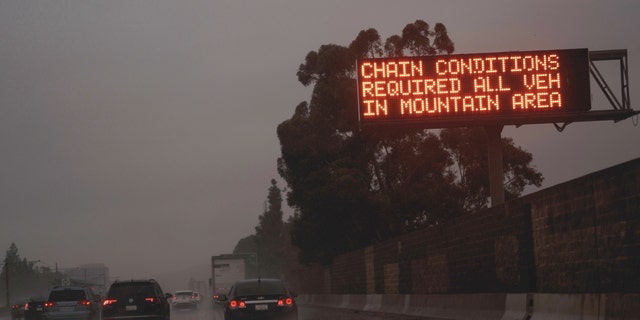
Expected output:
(582, 236)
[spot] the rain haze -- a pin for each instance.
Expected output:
(142, 134)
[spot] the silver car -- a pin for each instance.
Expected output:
(185, 299)
(71, 303)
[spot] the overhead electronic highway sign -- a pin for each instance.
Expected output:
(455, 89)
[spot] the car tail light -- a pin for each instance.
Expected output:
(108, 302)
(26, 307)
(49, 304)
(235, 304)
(151, 299)
(84, 303)
(215, 297)
(285, 302)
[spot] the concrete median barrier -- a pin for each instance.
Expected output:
(459, 306)
(518, 306)
(451, 306)
(490, 306)
(567, 307)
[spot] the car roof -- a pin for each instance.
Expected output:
(268, 280)
(258, 286)
(135, 281)
(69, 288)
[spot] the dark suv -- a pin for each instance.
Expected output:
(135, 299)
(71, 303)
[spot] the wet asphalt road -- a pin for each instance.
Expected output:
(207, 312)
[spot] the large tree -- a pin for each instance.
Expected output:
(352, 187)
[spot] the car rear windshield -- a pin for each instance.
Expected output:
(183, 293)
(67, 295)
(260, 287)
(128, 290)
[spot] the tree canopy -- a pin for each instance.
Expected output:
(352, 187)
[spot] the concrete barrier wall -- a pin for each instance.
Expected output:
(517, 306)
(567, 307)
(490, 306)
(453, 306)
(611, 306)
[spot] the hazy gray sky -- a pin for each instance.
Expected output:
(142, 134)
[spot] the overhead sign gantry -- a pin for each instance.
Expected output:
(490, 90)
(507, 88)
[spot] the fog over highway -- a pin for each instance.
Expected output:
(142, 134)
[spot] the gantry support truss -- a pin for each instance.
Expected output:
(621, 110)
(621, 107)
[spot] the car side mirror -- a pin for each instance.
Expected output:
(222, 297)
(168, 296)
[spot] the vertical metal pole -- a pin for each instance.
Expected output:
(496, 169)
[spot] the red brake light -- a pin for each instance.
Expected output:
(234, 304)
(84, 303)
(107, 302)
(151, 299)
(26, 307)
(49, 304)
(285, 302)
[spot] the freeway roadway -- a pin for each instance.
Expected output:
(305, 313)
(206, 312)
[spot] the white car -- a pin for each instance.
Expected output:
(185, 299)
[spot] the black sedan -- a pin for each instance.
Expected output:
(34, 309)
(259, 299)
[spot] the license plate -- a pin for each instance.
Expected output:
(66, 309)
(131, 308)
(262, 307)
(39, 308)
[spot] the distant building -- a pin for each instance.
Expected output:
(94, 275)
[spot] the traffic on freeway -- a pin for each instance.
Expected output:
(249, 298)
(210, 312)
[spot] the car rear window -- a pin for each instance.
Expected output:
(67, 295)
(183, 294)
(260, 287)
(128, 290)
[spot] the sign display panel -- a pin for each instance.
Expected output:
(419, 89)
